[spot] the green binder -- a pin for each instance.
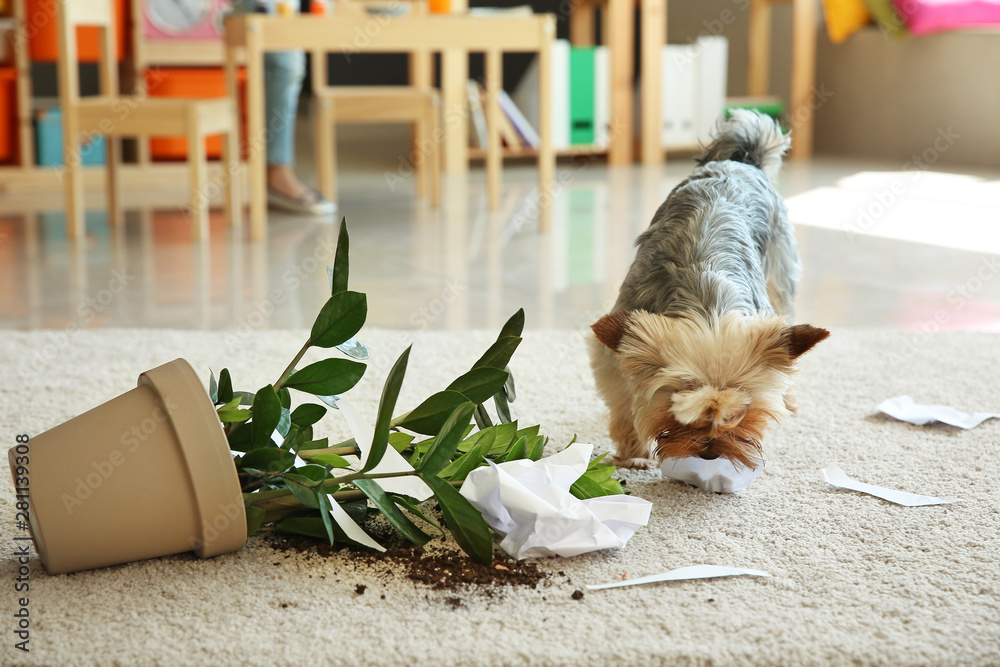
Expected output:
(581, 95)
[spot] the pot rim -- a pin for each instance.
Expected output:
(210, 466)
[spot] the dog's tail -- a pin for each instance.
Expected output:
(749, 137)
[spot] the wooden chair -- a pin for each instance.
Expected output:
(115, 116)
(419, 105)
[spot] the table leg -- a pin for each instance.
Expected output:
(803, 76)
(582, 24)
(758, 47)
(654, 36)
(621, 44)
(256, 134)
(494, 151)
(546, 154)
(454, 74)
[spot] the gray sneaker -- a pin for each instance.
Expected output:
(310, 202)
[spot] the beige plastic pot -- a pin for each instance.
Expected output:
(144, 475)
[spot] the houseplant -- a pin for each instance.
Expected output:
(279, 476)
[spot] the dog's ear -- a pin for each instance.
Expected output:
(801, 338)
(610, 328)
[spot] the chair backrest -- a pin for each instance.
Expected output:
(69, 15)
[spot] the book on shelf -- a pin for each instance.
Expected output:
(581, 95)
(602, 96)
(529, 137)
(508, 135)
(526, 94)
(712, 71)
(477, 128)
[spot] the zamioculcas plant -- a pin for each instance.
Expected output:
(294, 482)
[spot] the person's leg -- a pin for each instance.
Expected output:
(283, 74)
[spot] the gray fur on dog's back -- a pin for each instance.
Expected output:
(722, 235)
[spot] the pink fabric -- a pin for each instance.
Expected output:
(926, 16)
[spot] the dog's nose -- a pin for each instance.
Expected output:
(708, 456)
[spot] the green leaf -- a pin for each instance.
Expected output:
(255, 517)
(459, 469)
(306, 445)
(239, 439)
(467, 525)
(229, 416)
(514, 326)
(428, 417)
(499, 354)
(612, 487)
(331, 460)
(508, 387)
(285, 421)
(307, 414)
(480, 383)
(388, 509)
(400, 441)
(329, 376)
(383, 422)
(246, 397)
(503, 408)
(266, 415)
(285, 397)
(412, 505)
(483, 417)
(518, 451)
(506, 435)
(213, 387)
(268, 459)
(310, 475)
(341, 261)
(303, 525)
(585, 487)
(225, 393)
(485, 437)
(446, 441)
(536, 448)
(324, 513)
(303, 490)
(355, 349)
(340, 318)
(528, 431)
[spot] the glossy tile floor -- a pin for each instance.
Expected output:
(880, 246)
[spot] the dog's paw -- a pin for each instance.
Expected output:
(635, 463)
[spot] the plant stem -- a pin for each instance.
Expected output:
(277, 498)
(291, 367)
(336, 449)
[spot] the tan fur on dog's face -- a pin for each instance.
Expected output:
(705, 389)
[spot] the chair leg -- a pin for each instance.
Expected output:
(197, 170)
(73, 179)
(434, 150)
(326, 147)
(420, 131)
(114, 157)
(231, 178)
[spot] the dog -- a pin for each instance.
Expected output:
(698, 354)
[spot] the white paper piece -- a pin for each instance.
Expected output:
(832, 474)
(530, 502)
(392, 461)
(352, 529)
(683, 573)
(904, 409)
(719, 476)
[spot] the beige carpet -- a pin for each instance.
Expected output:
(855, 580)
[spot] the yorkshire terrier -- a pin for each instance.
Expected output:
(697, 356)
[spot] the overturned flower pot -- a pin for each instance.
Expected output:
(146, 474)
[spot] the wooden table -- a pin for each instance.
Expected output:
(455, 36)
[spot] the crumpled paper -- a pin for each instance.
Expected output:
(905, 409)
(683, 574)
(832, 474)
(530, 503)
(718, 476)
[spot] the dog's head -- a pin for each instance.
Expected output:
(702, 388)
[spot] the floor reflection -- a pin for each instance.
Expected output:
(463, 266)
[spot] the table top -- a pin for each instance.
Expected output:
(386, 33)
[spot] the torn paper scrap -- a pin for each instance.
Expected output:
(832, 474)
(352, 529)
(531, 504)
(392, 461)
(684, 573)
(904, 409)
(719, 476)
